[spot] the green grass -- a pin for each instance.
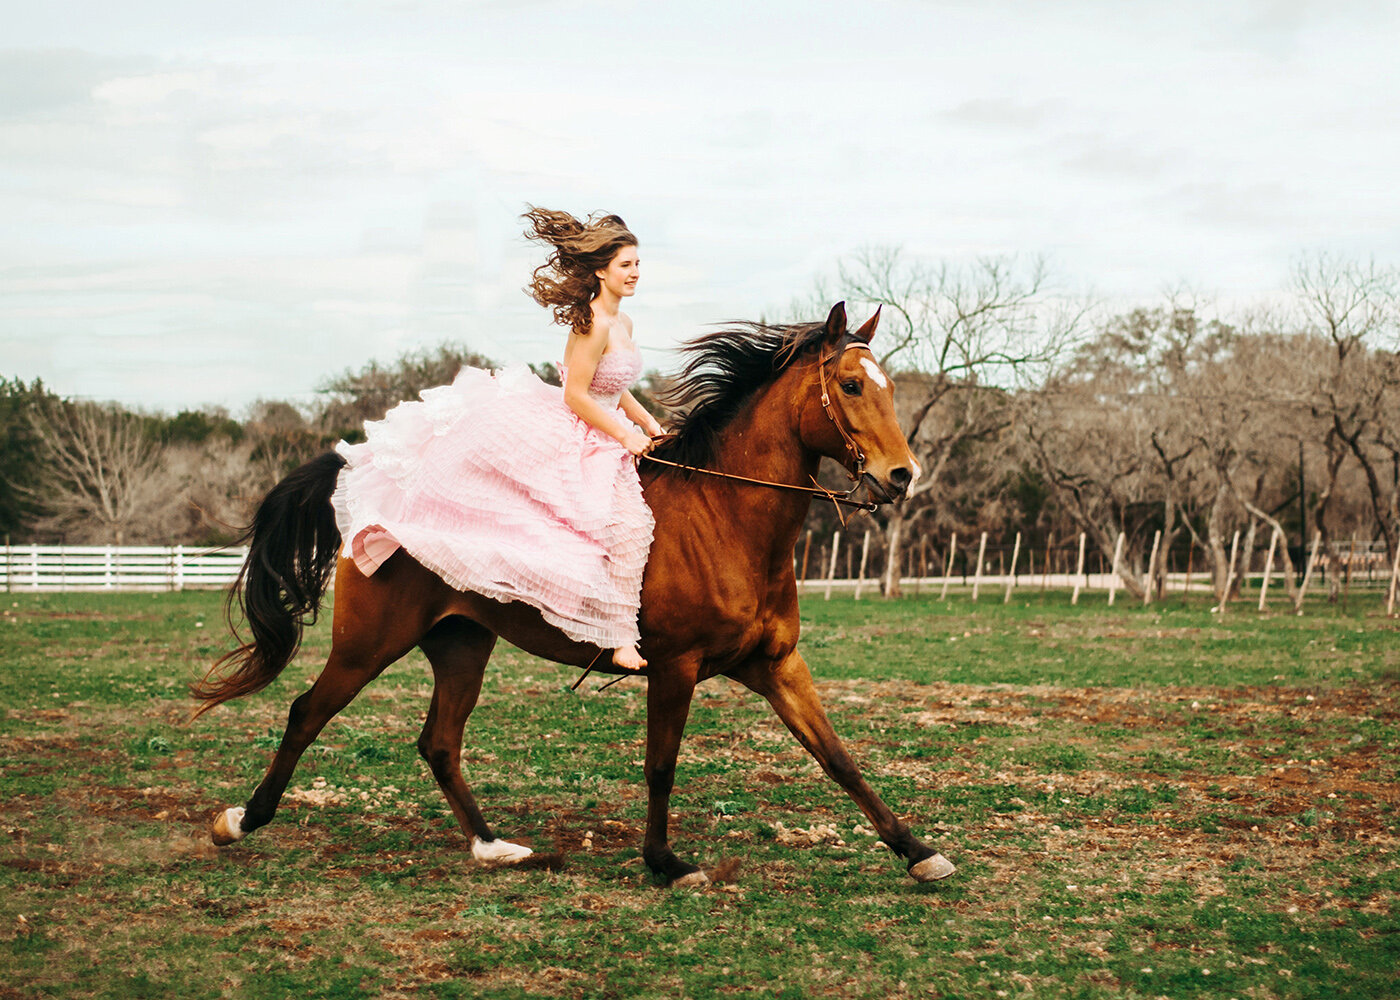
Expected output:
(1141, 802)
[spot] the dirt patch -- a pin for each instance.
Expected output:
(437, 934)
(955, 715)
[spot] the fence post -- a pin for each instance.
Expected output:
(1230, 571)
(1113, 571)
(180, 567)
(1151, 580)
(860, 574)
(977, 573)
(948, 572)
(831, 573)
(1011, 580)
(1079, 571)
(1307, 573)
(1346, 578)
(1268, 568)
(1390, 594)
(10, 574)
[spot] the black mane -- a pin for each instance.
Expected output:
(722, 371)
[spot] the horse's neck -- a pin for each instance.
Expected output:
(763, 442)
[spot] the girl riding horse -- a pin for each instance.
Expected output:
(719, 594)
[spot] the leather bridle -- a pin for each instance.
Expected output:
(853, 449)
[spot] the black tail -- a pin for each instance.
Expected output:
(294, 543)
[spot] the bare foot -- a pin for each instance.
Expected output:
(628, 659)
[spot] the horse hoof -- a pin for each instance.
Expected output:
(694, 880)
(931, 869)
(228, 826)
(500, 852)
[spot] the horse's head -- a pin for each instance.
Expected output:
(855, 422)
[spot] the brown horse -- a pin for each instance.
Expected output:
(719, 595)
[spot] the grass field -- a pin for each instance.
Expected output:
(1142, 803)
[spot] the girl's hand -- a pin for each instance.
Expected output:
(637, 444)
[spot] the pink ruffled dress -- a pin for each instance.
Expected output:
(495, 485)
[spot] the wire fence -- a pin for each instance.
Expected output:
(860, 563)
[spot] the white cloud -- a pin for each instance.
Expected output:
(151, 88)
(217, 203)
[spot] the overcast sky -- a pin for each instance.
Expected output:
(207, 203)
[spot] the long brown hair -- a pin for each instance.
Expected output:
(568, 281)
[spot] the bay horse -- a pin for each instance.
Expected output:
(719, 595)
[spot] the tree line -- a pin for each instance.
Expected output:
(1030, 412)
(1038, 414)
(82, 472)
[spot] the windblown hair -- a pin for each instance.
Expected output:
(722, 371)
(568, 281)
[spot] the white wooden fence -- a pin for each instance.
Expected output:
(32, 568)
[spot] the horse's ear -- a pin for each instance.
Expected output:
(836, 323)
(867, 329)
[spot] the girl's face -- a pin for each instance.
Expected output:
(620, 276)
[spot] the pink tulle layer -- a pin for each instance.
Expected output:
(494, 484)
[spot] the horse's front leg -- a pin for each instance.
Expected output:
(669, 692)
(787, 684)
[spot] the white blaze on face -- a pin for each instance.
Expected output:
(873, 370)
(918, 471)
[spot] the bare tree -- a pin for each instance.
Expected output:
(280, 438)
(100, 475)
(1170, 421)
(969, 331)
(221, 487)
(1106, 433)
(1095, 459)
(1354, 309)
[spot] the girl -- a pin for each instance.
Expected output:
(511, 488)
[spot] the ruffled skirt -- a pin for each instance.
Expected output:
(495, 485)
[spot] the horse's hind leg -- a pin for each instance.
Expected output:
(458, 650)
(349, 668)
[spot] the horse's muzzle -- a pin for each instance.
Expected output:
(891, 489)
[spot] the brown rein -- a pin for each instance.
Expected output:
(817, 491)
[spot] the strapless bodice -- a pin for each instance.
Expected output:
(616, 372)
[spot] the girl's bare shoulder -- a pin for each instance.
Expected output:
(590, 343)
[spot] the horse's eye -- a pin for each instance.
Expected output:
(851, 387)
